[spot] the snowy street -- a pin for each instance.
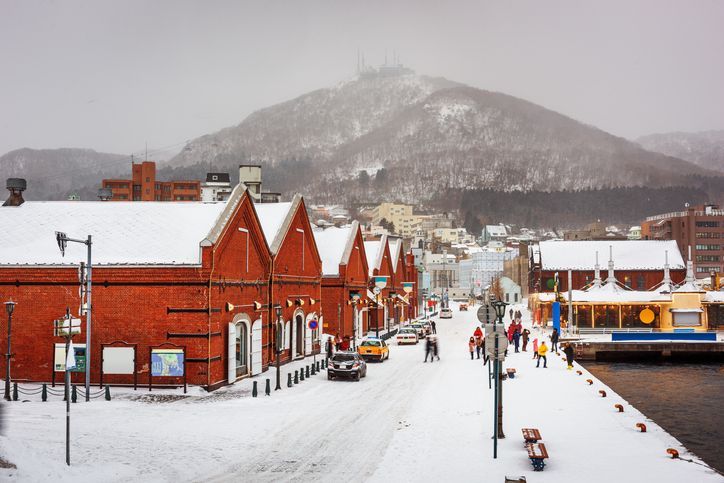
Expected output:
(406, 421)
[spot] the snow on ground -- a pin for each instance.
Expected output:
(407, 421)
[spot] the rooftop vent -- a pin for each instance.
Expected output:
(16, 186)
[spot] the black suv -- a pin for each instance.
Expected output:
(347, 364)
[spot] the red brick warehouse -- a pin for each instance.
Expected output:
(162, 273)
(296, 274)
(379, 262)
(344, 281)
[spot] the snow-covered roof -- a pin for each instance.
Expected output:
(123, 233)
(617, 296)
(374, 250)
(274, 219)
(395, 244)
(627, 254)
(714, 296)
(332, 245)
(496, 230)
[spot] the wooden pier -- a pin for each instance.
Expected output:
(647, 350)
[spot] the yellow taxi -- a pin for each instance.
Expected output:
(373, 348)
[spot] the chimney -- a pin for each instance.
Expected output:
(16, 186)
(105, 194)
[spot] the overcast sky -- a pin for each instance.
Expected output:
(114, 75)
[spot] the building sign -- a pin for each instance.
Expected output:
(59, 358)
(167, 362)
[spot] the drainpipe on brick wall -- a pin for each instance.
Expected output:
(272, 316)
(208, 306)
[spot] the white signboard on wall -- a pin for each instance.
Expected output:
(118, 360)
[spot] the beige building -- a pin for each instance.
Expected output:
(390, 212)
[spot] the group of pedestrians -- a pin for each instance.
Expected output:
(475, 344)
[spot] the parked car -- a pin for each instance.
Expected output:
(347, 364)
(373, 348)
(420, 328)
(463, 307)
(407, 335)
(427, 326)
(446, 313)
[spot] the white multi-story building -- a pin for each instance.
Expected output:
(217, 187)
(483, 266)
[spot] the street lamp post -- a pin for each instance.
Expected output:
(499, 307)
(9, 307)
(278, 337)
(62, 240)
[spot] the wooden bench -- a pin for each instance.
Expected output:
(531, 435)
(537, 453)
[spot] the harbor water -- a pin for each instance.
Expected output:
(684, 399)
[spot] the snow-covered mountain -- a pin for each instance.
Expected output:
(705, 149)
(430, 134)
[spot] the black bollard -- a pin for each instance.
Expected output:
(296, 377)
(307, 374)
(254, 391)
(301, 374)
(289, 379)
(314, 371)
(73, 394)
(318, 369)
(15, 391)
(108, 393)
(44, 395)
(267, 389)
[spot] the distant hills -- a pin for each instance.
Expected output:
(705, 149)
(409, 138)
(54, 174)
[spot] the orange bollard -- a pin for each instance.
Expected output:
(619, 407)
(602, 393)
(579, 373)
(641, 426)
(674, 454)
(589, 381)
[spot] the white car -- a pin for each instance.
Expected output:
(407, 335)
(446, 313)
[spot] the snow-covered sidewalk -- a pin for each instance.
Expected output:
(407, 421)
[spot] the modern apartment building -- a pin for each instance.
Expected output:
(699, 227)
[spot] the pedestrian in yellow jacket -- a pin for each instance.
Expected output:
(542, 350)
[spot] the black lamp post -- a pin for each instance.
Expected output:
(499, 307)
(278, 338)
(9, 307)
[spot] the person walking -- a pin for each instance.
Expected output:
(429, 350)
(471, 347)
(554, 341)
(511, 314)
(478, 347)
(535, 348)
(435, 352)
(568, 351)
(511, 330)
(525, 335)
(542, 350)
(516, 340)
(433, 327)
(330, 348)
